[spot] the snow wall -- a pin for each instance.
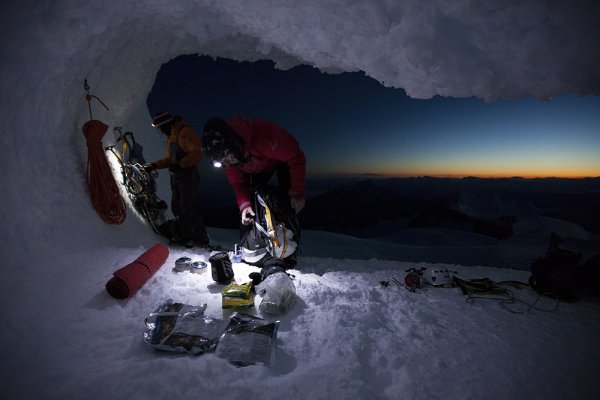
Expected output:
(500, 49)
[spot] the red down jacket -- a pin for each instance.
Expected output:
(267, 145)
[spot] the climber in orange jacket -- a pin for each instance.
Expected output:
(183, 154)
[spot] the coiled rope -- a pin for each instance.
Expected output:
(103, 188)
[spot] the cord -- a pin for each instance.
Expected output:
(104, 191)
(510, 298)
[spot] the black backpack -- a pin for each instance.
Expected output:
(275, 232)
(558, 273)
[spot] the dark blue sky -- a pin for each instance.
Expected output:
(349, 123)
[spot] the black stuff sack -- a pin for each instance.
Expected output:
(220, 264)
(557, 274)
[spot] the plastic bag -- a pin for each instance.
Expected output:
(279, 293)
(182, 328)
(247, 340)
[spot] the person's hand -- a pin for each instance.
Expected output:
(174, 167)
(297, 203)
(247, 215)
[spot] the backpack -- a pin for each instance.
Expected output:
(558, 273)
(275, 232)
(132, 151)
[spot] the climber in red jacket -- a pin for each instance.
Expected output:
(251, 152)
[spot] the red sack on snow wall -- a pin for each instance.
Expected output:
(129, 279)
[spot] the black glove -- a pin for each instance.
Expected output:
(149, 167)
(174, 168)
(272, 267)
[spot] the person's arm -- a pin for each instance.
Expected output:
(240, 183)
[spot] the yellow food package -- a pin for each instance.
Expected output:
(234, 302)
(234, 289)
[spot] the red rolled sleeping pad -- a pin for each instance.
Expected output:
(129, 279)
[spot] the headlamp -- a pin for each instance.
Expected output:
(161, 119)
(217, 164)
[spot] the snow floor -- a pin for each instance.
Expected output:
(347, 337)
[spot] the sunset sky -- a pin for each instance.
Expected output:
(351, 124)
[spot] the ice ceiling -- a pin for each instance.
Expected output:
(492, 49)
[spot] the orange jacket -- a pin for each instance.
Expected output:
(189, 141)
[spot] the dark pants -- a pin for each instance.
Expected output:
(185, 204)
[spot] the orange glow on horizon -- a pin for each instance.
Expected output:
(567, 174)
(433, 175)
(500, 174)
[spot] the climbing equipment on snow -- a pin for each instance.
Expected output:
(438, 277)
(487, 289)
(482, 288)
(412, 279)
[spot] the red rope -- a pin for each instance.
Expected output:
(104, 191)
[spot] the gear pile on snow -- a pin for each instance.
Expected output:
(140, 184)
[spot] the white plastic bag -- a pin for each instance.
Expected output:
(278, 293)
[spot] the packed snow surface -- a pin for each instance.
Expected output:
(347, 336)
